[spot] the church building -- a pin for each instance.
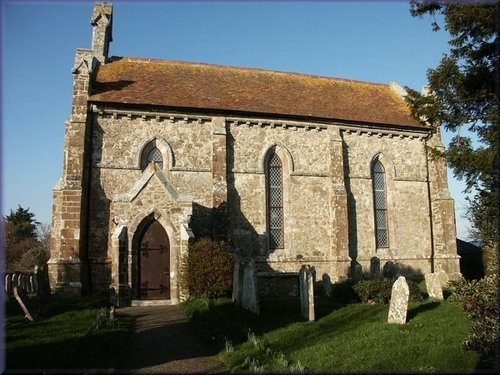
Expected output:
(296, 169)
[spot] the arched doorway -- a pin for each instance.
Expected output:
(154, 262)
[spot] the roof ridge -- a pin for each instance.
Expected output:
(148, 59)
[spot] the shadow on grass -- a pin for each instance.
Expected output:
(224, 321)
(413, 312)
(63, 338)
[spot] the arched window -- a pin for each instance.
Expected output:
(274, 192)
(380, 204)
(155, 156)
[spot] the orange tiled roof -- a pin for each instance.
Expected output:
(216, 87)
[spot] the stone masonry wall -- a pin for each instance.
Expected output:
(404, 161)
(117, 146)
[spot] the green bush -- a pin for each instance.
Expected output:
(479, 299)
(343, 292)
(379, 291)
(208, 270)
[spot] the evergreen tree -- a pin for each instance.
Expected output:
(23, 249)
(464, 93)
(23, 224)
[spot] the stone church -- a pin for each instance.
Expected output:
(297, 169)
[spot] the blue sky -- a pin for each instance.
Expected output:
(371, 41)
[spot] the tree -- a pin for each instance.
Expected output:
(464, 93)
(26, 240)
(23, 224)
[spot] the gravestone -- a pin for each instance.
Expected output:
(8, 285)
(23, 300)
(389, 270)
(327, 285)
(375, 268)
(32, 284)
(35, 284)
(43, 292)
(306, 282)
(443, 278)
(357, 272)
(433, 284)
(250, 297)
(15, 279)
(399, 301)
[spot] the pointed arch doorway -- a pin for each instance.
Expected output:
(153, 263)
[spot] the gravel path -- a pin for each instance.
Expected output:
(163, 342)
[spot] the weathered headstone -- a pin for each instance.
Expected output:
(15, 279)
(250, 297)
(31, 283)
(327, 285)
(8, 285)
(24, 282)
(389, 269)
(433, 284)
(375, 268)
(306, 282)
(357, 272)
(399, 301)
(23, 300)
(35, 284)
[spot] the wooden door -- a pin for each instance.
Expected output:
(154, 255)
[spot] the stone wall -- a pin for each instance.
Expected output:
(404, 160)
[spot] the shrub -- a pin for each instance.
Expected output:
(480, 300)
(343, 292)
(379, 291)
(209, 268)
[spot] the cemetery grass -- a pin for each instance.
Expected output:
(344, 338)
(65, 338)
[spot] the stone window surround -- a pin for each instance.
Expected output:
(286, 168)
(380, 207)
(390, 178)
(166, 152)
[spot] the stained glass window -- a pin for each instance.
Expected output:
(380, 203)
(275, 202)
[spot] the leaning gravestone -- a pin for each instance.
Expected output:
(306, 282)
(327, 285)
(23, 300)
(399, 301)
(249, 296)
(433, 284)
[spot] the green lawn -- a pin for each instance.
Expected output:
(64, 338)
(344, 338)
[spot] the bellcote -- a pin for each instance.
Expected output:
(102, 21)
